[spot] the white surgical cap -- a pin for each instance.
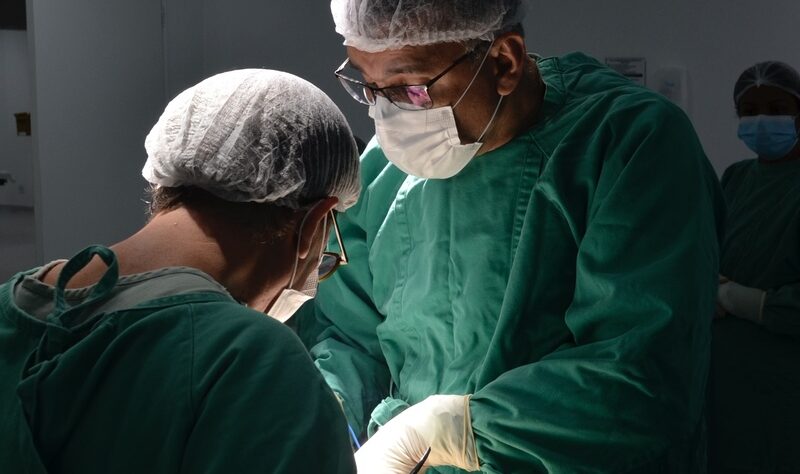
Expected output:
(378, 25)
(769, 73)
(255, 135)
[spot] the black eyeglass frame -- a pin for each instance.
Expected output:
(340, 258)
(376, 91)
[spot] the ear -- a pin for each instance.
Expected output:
(511, 59)
(313, 225)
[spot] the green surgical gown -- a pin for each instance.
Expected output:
(188, 382)
(565, 279)
(755, 416)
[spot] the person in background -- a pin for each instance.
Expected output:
(756, 339)
(155, 355)
(534, 255)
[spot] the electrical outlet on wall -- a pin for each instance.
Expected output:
(672, 83)
(5, 177)
(14, 191)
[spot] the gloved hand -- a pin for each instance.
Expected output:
(741, 301)
(441, 422)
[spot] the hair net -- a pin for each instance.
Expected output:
(378, 25)
(255, 135)
(769, 73)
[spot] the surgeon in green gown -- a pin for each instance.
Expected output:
(155, 356)
(534, 255)
(755, 416)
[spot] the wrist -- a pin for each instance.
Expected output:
(742, 301)
(450, 434)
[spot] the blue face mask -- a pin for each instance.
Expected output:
(772, 137)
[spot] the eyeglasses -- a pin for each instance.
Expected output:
(331, 261)
(409, 97)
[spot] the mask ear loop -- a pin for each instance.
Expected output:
(796, 132)
(324, 237)
(491, 120)
(297, 249)
(312, 282)
(485, 56)
(475, 77)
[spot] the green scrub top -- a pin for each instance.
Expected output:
(566, 279)
(755, 416)
(188, 381)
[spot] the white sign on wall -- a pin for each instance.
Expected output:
(634, 69)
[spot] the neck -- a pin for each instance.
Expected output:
(519, 110)
(254, 273)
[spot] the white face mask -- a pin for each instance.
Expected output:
(290, 300)
(425, 143)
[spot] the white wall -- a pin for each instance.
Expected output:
(714, 39)
(16, 152)
(99, 87)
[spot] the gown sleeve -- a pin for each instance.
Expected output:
(626, 394)
(781, 304)
(781, 310)
(339, 326)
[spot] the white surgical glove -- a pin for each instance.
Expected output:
(741, 301)
(441, 422)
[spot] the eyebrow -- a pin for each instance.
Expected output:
(771, 102)
(402, 68)
(354, 65)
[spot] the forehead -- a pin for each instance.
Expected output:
(765, 95)
(410, 60)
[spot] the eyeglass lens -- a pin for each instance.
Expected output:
(328, 264)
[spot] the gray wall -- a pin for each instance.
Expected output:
(183, 44)
(99, 87)
(16, 152)
(105, 70)
(17, 229)
(715, 40)
(294, 36)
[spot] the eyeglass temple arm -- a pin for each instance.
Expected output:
(341, 67)
(339, 238)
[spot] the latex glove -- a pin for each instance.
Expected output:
(741, 301)
(441, 422)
